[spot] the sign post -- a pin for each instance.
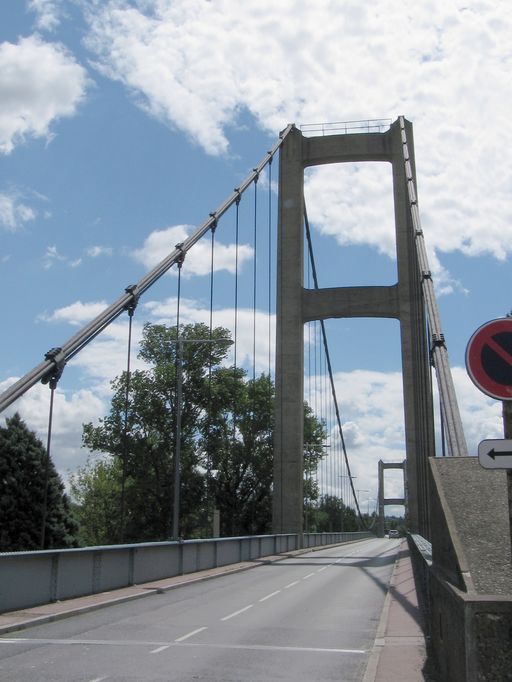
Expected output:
(489, 365)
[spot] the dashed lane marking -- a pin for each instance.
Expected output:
(190, 634)
(295, 582)
(268, 596)
(159, 649)
(237, 613)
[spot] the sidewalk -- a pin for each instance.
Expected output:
(399, 651)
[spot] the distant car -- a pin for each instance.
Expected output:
(393, 534)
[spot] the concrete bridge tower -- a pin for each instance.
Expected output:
(297, 305)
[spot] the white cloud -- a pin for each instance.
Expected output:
(95, 251)
(161, 243)
(77, 313)
(71, 410)
(371, 405)
(446, 66)
(52, 256)
(40, 82)
(47, 12)
(13, 212)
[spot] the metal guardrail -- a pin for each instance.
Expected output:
(33, 578)
(373, 125)
(421, 557)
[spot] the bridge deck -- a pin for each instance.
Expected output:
(398, 651)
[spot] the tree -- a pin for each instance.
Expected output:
(331, 514)
(144, 443)
(226, 444)
(23, 461)
(96, 489)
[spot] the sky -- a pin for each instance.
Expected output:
(124, 124)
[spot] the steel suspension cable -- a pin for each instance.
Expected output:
(453, 424)
(331, 377)
(178, 394)
(87, 333)
(235, 330)
(210, 360)
(130, 309)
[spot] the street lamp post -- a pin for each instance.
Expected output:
(179, 408)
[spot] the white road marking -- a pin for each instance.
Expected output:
(160, 648)
(295, 582)
(254, 647)
(266, 647)
(268, 596)
(190, 634)
(309, 575)
(99, 679)
(322, 569)
(237, 613)
(82, 642)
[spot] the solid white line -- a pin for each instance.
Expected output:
(309, 575)
(266, 647)
(272, 594)
(160, 648)
(295, 582)
(190, 634)
(237, 613)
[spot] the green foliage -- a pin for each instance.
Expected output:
(331, 514)
(22, 481)
(226, 445)
(96, 491)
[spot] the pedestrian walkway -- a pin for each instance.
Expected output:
(399, 651)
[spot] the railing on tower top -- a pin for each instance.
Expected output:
(372, 125)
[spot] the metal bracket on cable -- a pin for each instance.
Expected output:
(238, 195)
(438, 341)
(181, 257)
(271, 157)
(214, 223)
(132, 304)
(426, 274)
(53, 375)
(257, 176)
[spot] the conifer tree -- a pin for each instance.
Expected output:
(23, 464)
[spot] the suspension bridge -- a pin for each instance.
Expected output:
(279, 306)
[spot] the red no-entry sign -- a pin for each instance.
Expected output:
(489, 358)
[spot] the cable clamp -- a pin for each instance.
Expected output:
(132, 304)
(52, 376)
(257, 176)
(438, 341)
(214, 223)
(181, 256)
(238, 195)
(426, 274)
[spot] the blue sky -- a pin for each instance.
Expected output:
(122, 120)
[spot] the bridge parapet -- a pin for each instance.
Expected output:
(468, 585)
(30, 579)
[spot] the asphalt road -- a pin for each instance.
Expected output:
(312, 617)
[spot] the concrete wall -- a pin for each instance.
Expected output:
(465, 575)
(32, 578)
